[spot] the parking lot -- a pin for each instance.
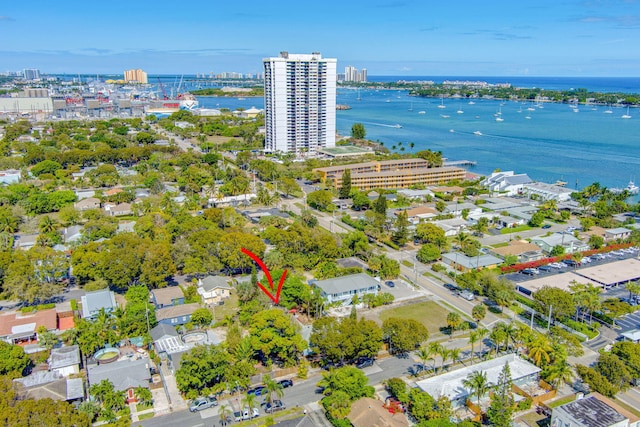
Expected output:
(559, 268)
(628, 322)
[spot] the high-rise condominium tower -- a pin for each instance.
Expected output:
(300, 103)
(135, 76)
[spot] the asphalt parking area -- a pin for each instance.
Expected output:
(628, 322)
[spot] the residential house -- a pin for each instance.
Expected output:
(342, 289)
(125, 375)
(167, 297)
(72, 234)
(50, 385)
(619, 233)
(461, 262)
(126, 227)
(522, 249)
(456, 209)
(415, 194)
(65, 360)
(419, 213)
(93, 302)
(85, 194)
(453, 226)
(176, 314)
(20, 328)
(113, 191)
(9, 176)
(506, 182)
(570, 243)
(451, 384)
(545, 192)
(83, 171)
(120, 209)
(214, 289)
(368, 412)
(87, 204)
(593, 410)
(250, 113)
(25, 241)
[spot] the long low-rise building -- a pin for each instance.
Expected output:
(402, 173)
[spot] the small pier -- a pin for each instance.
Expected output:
(459, 163)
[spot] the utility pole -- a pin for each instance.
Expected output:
(549, 321)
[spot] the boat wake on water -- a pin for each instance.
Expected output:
(383, 124)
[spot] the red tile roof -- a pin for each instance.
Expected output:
(46, 318)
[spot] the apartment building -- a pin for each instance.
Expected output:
(402, 173)
(300, 103)
(135, 76)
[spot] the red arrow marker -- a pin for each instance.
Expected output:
(264, 268)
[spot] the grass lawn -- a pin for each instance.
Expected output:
(515, 229)
(142, 406)
(429, 313)
(561, 401)
(230, 307)
(500, 245)
(145, 416)
(407, 264)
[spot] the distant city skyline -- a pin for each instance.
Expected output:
(387, 37)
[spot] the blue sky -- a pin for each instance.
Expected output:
(388, 37)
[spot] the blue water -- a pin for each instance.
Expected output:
(593, 84)
(556, 143)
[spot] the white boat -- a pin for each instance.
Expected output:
(632, 188)
(460, 111)
(499, 116)
(388, 100)
(397, 126)
(444, 116)
(422, 112)
(499, 119)
(411, 107)
(626, 116)
(451, 130)
(442, 103)
(608, 110)
(471, 103)
(528, 117)
(478, 133)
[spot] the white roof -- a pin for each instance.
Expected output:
(450, 384)
(633, 334)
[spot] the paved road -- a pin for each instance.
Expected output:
(302, 394)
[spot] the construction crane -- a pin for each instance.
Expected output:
(164, 93)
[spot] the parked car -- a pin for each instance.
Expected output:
(546, 226)
(451, 287)
(258, 391)
(571, 262)
(390, 283)
(468, 295)
(203, 403)
(545, 268)
(530, 271)
(285, 383)
(364, 363)
(248, 414)
(277, 406)
(237, 415)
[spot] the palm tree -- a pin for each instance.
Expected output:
(477, 384)
(225, 414)
(47, 224)
(249, 400)
(454, 355)
(560, 373)
(445, 353)
(540, 349)
(329, 382)
(474, 337)
(273, 388)
(633, 288)
(143, 394)
(436, 349)
(425, 354)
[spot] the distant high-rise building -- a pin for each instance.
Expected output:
(31, 74)
(352, 74)
(135, 76)
(300, 103)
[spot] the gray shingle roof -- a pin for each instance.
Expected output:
(212, 282)
(64, 356)
(123, 374)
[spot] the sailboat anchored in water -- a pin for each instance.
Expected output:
(626, 116)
